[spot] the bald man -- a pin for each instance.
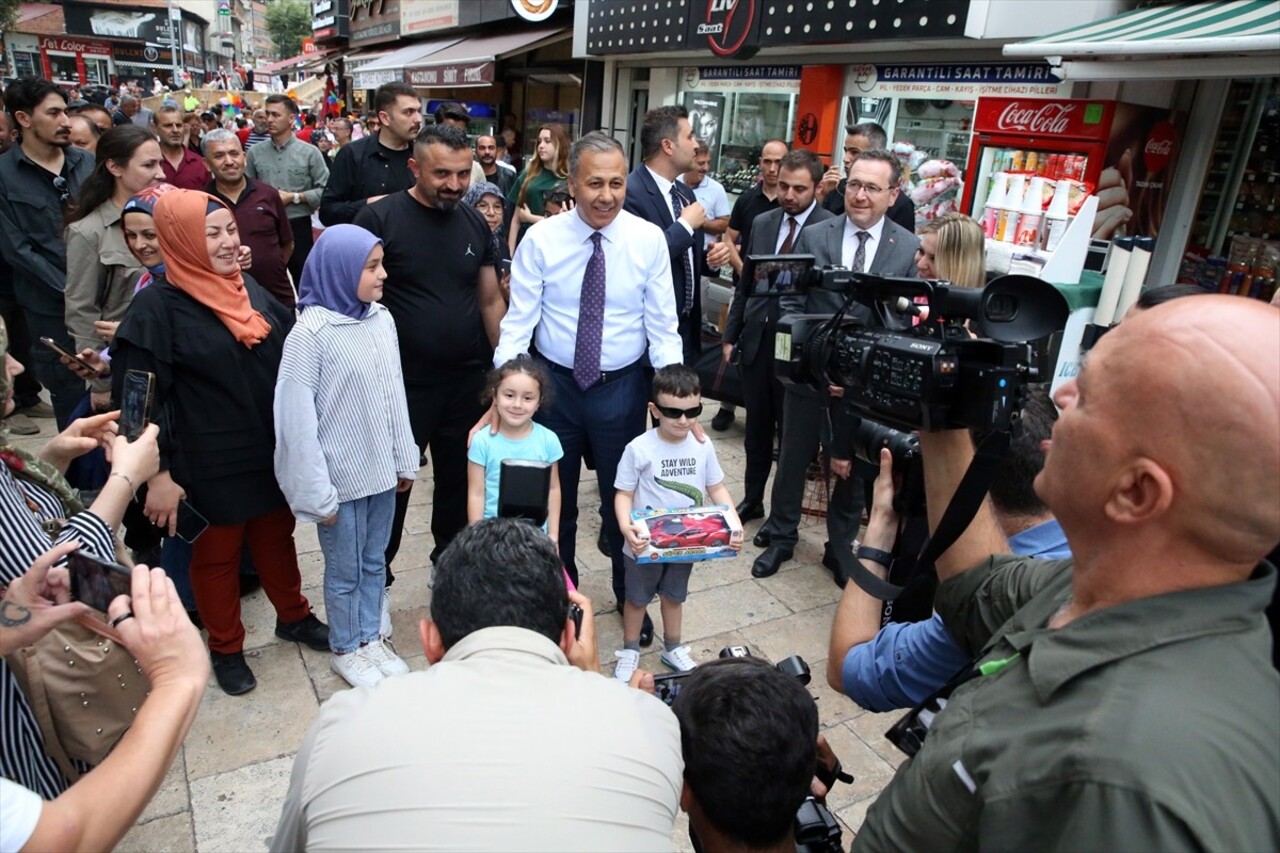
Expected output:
(1124, 700)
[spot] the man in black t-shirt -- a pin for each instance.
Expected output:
(442, 291)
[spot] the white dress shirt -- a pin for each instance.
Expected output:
(800, 218)
(546, 290)
(850, 246)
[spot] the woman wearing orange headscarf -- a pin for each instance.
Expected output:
(214, 338)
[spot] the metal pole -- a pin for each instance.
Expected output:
(175, 43)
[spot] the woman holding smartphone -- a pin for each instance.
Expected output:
(214, 337)
(101, 271)
(38, 508)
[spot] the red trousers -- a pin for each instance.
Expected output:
(215, 575)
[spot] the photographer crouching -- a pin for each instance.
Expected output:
(1124, 699)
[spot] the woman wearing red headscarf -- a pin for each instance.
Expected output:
(214, 338)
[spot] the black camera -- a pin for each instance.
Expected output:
(867, 439)
(935, 375)
(667, 687)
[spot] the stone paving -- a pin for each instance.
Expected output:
(227, 784)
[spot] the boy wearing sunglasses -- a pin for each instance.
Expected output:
(665, 468)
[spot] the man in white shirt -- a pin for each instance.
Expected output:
(510, 740)
(591, 289)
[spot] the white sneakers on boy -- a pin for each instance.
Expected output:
(387, 662)
(679, 659)
(628, 660)
(356, 669)
(384, 629)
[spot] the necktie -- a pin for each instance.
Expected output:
(586, 351)
(791, 235)
(677, 205)
(860, 256)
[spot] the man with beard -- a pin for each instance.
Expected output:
(258, 211)
(369, 169)
(442, 291)
(182, 167)
(38, 178)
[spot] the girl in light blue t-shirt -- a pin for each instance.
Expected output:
(516, 390)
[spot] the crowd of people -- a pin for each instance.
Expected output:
(459, 313)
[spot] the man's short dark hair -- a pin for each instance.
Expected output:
(500, 572)
(873, 132)
(883, 156)
(451, 111)
(90, 108)
(1013, 488)
(676, 380)
(453, 138)
(659, 124)
(25, 94)
(283, 99)
(1153, 296)
(802, 158)
(385, 97)
(748, 734)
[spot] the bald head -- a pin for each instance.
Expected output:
(1184, 398)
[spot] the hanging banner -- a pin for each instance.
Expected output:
(963, 80)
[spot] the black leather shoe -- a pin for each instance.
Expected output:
(602, 544)
(762, 538)
(311, 632)
(232, 673)
(768, 563)
(646, 632)
(750, 510)
(249, 584)
(831, 560)
(722, 419)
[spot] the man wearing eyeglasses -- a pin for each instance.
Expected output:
(861, 240)
(38, 178)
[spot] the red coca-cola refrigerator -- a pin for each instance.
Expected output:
(1125, 152)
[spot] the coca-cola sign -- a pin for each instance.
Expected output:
(1053, 117)
(1158, 150)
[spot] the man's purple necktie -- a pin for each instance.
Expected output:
(586, 352)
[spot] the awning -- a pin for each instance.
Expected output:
(391, 67)
(1187, 40)
(470, 62)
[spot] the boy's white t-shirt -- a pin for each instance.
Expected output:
(19, 813)
(663, 475)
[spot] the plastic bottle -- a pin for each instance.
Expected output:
(995, 201)
(1055, 218)
(1007, 228)
(1031, 215)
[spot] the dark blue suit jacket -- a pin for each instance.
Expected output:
(644, 200)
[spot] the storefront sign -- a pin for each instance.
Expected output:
(373, 22)
(64, 44)
(967, 80)
(329, 20)
(421, 16)
(740, 78)
(535, 10)
(146, 25)
(728, 28)
(145, 55)
(1075, 119)
(373, 79)
(454, 74)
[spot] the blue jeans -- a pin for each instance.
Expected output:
(355, 569)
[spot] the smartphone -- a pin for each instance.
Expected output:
(135, 408)
(53, 345)
(97, 582)
(575, 613)
(190, 523)
(504, 266)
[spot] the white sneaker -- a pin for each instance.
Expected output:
(387, 662)
(356, 669)
(679, 660)
(627, 663)
(384, 629)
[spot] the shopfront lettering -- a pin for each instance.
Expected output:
(322, 22)
(750, 72)
(321, 6)
(1020, 73)
(67, 45)
(473, 74)
(1042, 118)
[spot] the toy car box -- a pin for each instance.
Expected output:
(685, 535)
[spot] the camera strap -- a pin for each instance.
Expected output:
(955, 520)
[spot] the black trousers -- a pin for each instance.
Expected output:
(762, 394)
(26, 387)
(441, 416)
(302, 243)
(690, 331)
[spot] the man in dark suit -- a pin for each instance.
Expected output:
(668, 147)
(862, 239)
(752, 322)
(867, 136)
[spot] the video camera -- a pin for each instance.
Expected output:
(931, 376)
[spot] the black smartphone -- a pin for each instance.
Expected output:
(97, 582)
(575, 613)
(190, 523)
(504, 266)
(53, 345)
(524, 487)
(667, 686)
(135, 408)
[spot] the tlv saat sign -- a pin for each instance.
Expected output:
(728, 28)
